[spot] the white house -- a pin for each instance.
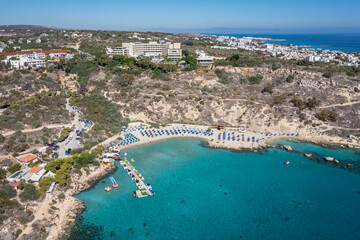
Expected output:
(26, 159)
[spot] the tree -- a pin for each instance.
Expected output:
(45, 184)
(7, 192)
(235, 57)
(83, 159)
(167, 67)
(29, 193)
(327, 115)
(104, 60)
(97, 151)
(191, 62)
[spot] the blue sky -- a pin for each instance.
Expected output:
(188, 15)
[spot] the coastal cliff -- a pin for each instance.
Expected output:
(59, 210)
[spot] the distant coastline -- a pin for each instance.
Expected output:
(338, 42)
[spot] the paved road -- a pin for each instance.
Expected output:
(71, 141)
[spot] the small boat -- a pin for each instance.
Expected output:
(108, 189)
(287, 162)
(134, 194)
(142, 178)
(132, 160)
(115, 185)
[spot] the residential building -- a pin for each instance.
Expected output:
(203, 60)
(2, 46)
(27, 159)
(34, 174)
(313, 58)
(33, 58)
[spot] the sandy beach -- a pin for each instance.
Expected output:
(261, 139)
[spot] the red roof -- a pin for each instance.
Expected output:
(46, 52)
(34, 169)
(27, 158)
(15, 184)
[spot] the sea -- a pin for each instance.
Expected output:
(340, 42)
(205, 193)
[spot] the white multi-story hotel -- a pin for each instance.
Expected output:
(151, 49)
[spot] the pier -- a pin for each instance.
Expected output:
(144, 189)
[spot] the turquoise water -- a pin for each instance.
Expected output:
(339, 42)
(337, 153)
(204, 193)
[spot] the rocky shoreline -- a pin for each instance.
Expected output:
(350, 166)
(63, 214)
(60, 214)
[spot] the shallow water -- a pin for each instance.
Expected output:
(204, 193)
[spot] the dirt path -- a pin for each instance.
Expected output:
(42, 211)
(35, 129)
(242, 99)
(340, 104)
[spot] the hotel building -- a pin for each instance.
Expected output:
(151, 49)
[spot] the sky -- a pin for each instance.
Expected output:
(259, 16)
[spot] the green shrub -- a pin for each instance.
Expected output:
(255, 79)
(17, 233)
(299, 103)
(7, 192)
(64, 133)
(29, 193)
(290, 79)
(279, 99)
(327, 115)
(45, 183)
(223, 76)
(269, 88)
(61, 196)
(14, 168)
(312, 102)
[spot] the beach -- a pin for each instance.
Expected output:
(262, 139)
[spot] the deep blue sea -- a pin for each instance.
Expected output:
(340, 42)
(204, 193)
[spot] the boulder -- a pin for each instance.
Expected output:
(329, 159)
(308, 155)
(288, 148)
